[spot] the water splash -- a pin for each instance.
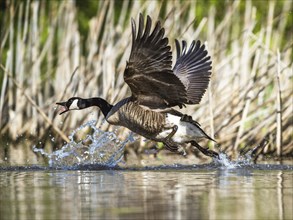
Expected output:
(245, 159)
(99, 148)
(103, 148)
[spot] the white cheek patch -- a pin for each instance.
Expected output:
(74, 105)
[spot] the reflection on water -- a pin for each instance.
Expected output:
(164, 194)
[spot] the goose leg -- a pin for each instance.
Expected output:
(174, 129)
(167, 140)
(170, 145)
(173, 147)
(205, 151)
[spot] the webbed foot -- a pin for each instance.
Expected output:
(171, 146)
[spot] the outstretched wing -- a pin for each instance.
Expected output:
(148, 72)
(193, 68)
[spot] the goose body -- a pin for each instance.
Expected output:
(156, 88)
(131, 115)
(154, 125)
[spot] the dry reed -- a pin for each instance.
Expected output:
(250, 95)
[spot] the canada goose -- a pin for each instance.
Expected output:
(156, 88)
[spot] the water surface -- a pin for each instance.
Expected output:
(84, 179)
(174, 192)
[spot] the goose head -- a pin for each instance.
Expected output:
(74, 103)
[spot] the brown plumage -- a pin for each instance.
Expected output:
(136, 118)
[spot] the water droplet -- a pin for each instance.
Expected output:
(104, 149)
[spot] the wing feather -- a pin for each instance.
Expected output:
(193, 68)
(148, 72)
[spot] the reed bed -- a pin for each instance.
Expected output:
(45, 58)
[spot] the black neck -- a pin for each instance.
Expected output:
(101, 103)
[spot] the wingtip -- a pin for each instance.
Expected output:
(132, 20)
(133, 29)
(184, 46)
(148, 17)
(140, 26)
(178, 50)
(159, 24)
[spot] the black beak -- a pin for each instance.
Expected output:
(64, 107)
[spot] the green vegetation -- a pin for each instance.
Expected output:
(250, 42)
